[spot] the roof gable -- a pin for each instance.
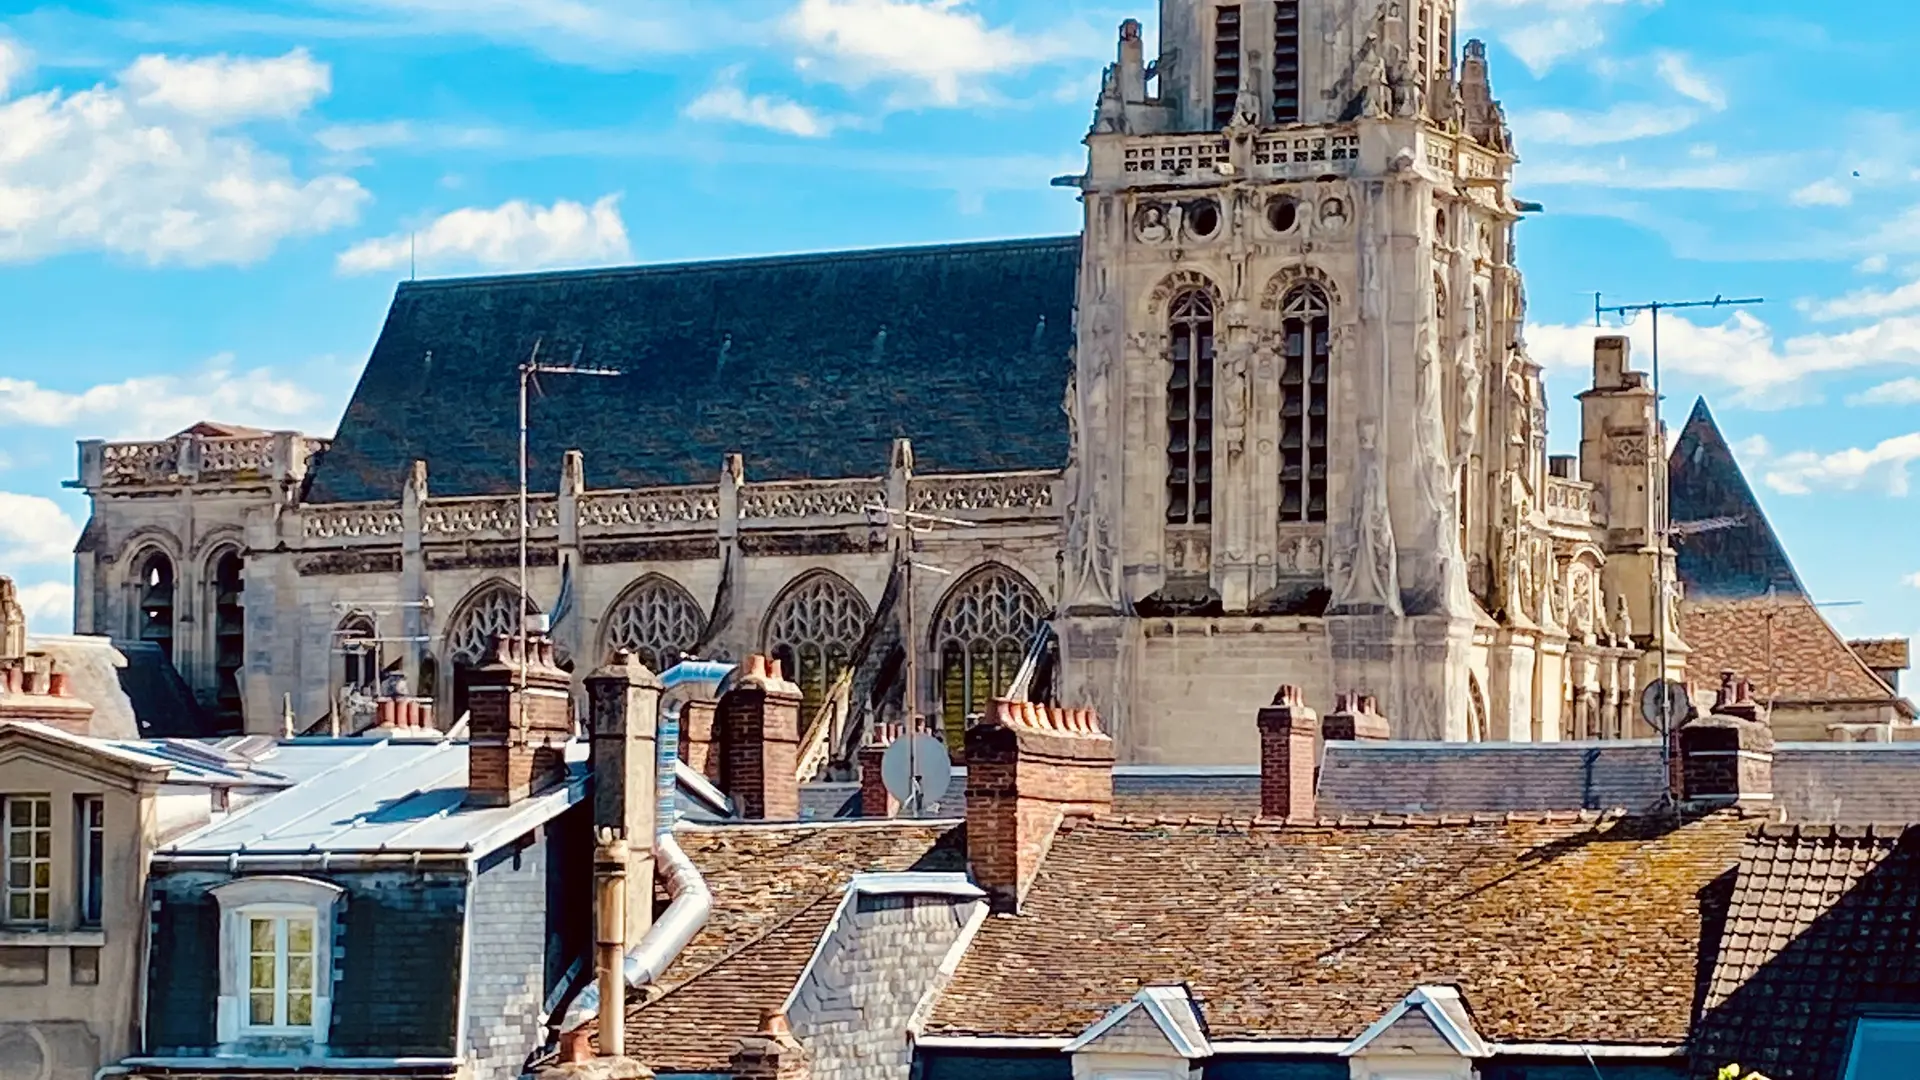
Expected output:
(1784, 644)
(1159, 1020)
(808, 366)
(89, 757)
(1735, 553)
(1431, 1020)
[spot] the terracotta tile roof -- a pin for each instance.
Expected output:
(1808, 662)
(1883, 654)
(1821, 922)
(1565, 927)
(774, 889)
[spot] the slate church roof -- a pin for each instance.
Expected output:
(808, 365)
(1741, 560)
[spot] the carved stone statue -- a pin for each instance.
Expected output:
(1366, 576)
(1110, 115)
(1151, 224)
(1233, 391)
(1622, 620)
(1374, 83)
(1433, 477)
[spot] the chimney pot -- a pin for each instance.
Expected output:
(518, 735)
(1726, 757)
(759, 729)
(1024, 777)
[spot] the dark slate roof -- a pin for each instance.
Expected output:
(1704, 484)
(1567, 928)
(808, 365)
(1470, 778)
(163, 705)
(1821, 924)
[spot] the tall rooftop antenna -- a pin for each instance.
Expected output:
(1662, 589)
(530, 369)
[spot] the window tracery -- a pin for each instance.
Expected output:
(1306, 356)
(492, 610)
(1190, 409)
(656, 620)
(812, 630)
(985, 624)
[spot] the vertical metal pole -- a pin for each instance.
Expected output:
(526, 372)
(1660, 535)
(912, 644)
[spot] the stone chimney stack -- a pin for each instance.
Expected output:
(623, 709)
(1355, 718)
(772, 1053)
(1029, 767)
(759, 728)
(517, 737)
(1289, 741)
(1726, 757)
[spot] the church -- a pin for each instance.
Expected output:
(1269, 418)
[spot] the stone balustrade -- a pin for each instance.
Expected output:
(646, 508)
(993, 494)
(192, 458)
(352, 521)
(789, 500)
(1570, 502)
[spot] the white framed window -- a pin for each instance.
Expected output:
(276, 961)
(90, 841)
(282, 958)
(26, 835)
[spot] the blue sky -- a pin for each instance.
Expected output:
(204, 206)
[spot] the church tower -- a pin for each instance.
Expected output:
(1308, 443)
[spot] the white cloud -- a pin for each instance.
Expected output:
(1753, 448)
(512, 236)
(1868, 303)
(1823, 192)
(1701, 173)
(1743, 353)
(49, 606)
(1677, 71)
(942, 48)
(353, 138)
(1898, 392)
(1912, 579)
(1884, 467)
(14, 62)
(156, 406)
(1872, 264)
(1621, 123)
(143, 168)
(728, 101)
(1544, 32)
(227, 88)
(34, 531)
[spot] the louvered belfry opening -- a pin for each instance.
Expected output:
(1286, 62)
(1190, 410)
(1226, 63)
(1303, 410)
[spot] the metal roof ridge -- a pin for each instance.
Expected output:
(798, 258)
(259, 806)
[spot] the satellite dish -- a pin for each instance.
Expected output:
(916, 771)
(1675, 696)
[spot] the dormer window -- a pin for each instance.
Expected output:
(276, 979)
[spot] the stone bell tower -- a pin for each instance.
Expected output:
(1297, 305)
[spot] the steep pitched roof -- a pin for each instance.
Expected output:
(1820, 924)
(1530, 919)
(808, 365)
(1740, 557)
(1783, 643)
(774, 892)
(1883, 654)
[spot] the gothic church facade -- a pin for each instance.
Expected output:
(1269, 419)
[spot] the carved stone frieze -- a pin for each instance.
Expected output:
(351, 521)
(334, 563)
(811, 499)
(834, 542)
(656, 506)
(489, 556)
(679, 549)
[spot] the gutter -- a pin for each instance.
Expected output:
(691, 904)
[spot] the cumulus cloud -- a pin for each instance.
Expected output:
(728, 101)
(34, 531)
(1898, 392)
(1744, 353)
(49, 606)
(227, 88)
(1676, 70)
(515, 235)
(1868, 303)
(154, 167)
(942, 49)
(14, 61)
(1621, 123)
(156, 406)
(1882, 467)
(1544, 32)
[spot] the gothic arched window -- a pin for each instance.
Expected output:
(1306, 331)
(493, 609)
(985, 623)
(354, 640)
(1190, 410)
(812, 630)
(656, 620)
(227, 584)
(155, 620)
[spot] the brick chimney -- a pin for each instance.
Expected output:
(1726, 757)
(875, 800)
(32, 689)
(759, 743)
(1289, 738)
(1029, 767)
(1355, 718)
(517, 738)
(696, 738)
(772, 1053)
(623, 713)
